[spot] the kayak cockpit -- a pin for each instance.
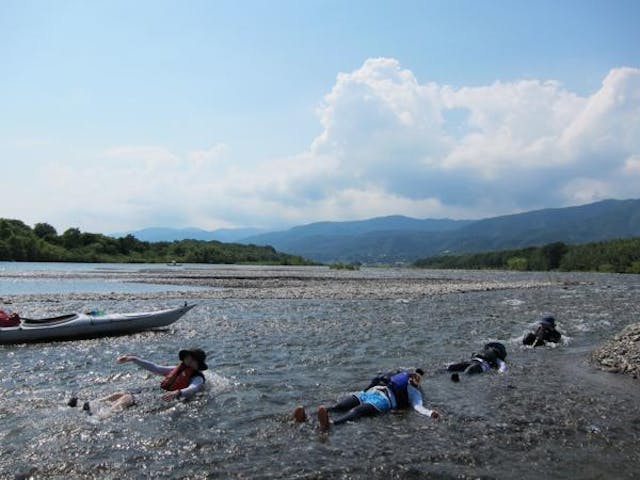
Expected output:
(49, 321)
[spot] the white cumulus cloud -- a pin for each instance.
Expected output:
(389, 144)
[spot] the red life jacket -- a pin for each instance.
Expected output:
(179, 377)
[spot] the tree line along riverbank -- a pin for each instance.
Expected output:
(42, 243)
(615, 256)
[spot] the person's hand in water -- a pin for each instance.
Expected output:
(168, 396)
(125, 358)
(434, 414)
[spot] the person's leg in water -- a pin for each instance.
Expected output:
(458, 367)
(344, 404)
(118, 401)
(123, 402)
(113, 397)
(347, 403)
(355, 413)
(362, 410)
(474, 368)
(299, 415)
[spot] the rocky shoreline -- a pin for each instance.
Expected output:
(622, 353)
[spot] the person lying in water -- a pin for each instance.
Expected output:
(545, 332)
(491, 357)
(395, 390)
(181, 381)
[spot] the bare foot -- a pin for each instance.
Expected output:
(323, 418)
(299, 415)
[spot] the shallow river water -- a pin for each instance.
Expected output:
(552, 416)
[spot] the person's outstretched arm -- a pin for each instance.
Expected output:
(415, 399)
(147, 365)
(195, 385)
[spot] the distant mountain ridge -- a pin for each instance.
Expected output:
(411, 239)
(393, 223)
(166, 234)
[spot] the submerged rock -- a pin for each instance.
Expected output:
(622, 353)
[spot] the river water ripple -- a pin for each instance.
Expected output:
(552, 416)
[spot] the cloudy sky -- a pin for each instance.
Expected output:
(122, 115)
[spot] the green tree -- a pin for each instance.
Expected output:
(128, 244)
(517, 263)
(17, 248)
(553, 254)
(5, 251)
(72, 238)
(45, 231)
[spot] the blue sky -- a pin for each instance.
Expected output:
(122, 115)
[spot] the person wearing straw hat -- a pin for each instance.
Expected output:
(181, 381)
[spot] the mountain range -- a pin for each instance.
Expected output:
(167, 234)
(397, 238)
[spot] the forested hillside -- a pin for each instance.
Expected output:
(42, 243)
(622, 256)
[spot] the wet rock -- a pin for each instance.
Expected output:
(622, 353)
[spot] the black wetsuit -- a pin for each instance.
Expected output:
(542, 335)
(480, 363)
